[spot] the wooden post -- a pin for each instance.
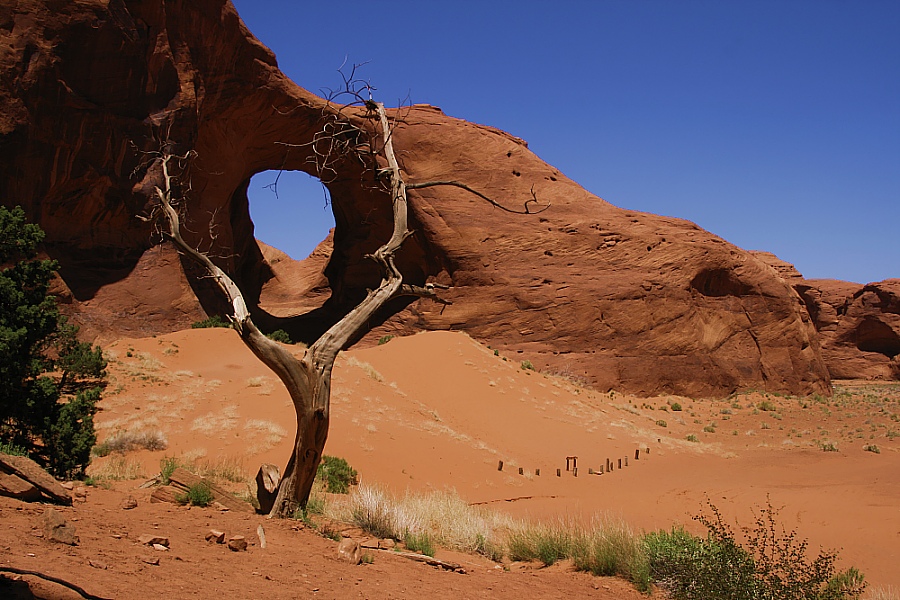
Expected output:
(590, 471)
(601, 470)
(637, 454)
(575, 471)
(620, 463)
(559, 472)
(500, 466)
(521, 471)
(537, 472)
(626, 461)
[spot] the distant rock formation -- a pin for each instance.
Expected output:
(858, 325)
(627, 300)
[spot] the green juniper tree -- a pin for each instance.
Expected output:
(49, 381)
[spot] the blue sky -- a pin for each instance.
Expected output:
(775, 125)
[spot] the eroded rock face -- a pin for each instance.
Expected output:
(858, 325)
(623, 299)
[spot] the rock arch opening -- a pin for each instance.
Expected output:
(873, 335)
(290, 210)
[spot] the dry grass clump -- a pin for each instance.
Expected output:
(883, 593)
(116, 468)
(366, 367)
(128, 441)
(443, 517)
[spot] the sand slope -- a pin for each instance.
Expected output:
(439, 411)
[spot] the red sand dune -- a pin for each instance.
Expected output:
(438, 411)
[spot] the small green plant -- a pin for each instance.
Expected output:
(384, 339)
(829, 447)
(199, 494)
(676, 407)
(367, 558)
(662, 423)
(213, 321)
(12, 449)
(692, 438)
(872, 448)
(710, 429)
(766, 406)
(167, 466)
(337, 474)
(281, 336)
(527, 366)
(419, 542)
(496, 353)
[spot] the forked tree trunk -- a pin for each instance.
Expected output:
(308, 378)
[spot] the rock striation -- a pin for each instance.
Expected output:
(621, 299)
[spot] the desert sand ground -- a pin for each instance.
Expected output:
(438, 411)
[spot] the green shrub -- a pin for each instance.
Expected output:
(527, 366)
(662, 423)
(692, 438)
(710, 429)
(281, 336)
(50, 382)
(676, 407)
(337, 474)
(766, 406)
(199, 494)
(384, 339)
(419, 542)
(872, 448)
(12, 449)
(213, 321)
(771, 565)
(167, 466)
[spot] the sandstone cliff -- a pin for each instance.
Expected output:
(626, 300)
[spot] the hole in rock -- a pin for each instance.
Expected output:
(290, 211)
(873, 335)
(719, 282)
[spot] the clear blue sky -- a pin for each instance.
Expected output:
(775, 125)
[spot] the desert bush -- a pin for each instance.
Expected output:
(50, 382)
(692, 438)
(117, 468)
(662, 423)
(872, 448)
(167, 466)
(337, 474)
(527, 366)
(213, 321)
(419, 542)
(384, 339)
(199, 494)
(12, 449)
(127, 441)
(676, 406)
(766, 406)
(280, 335)
(773, 563)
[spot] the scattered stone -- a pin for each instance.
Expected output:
(67, 484)
(150, 540)
(218, 506)
(97, 564)
(26, 469)
(386, 544)
(18, 488)
(348, 551)
(79, 494)
(151, 561)
(237, 543)
(213, 535)
(57, 529)
(160, 547)
(129, 503)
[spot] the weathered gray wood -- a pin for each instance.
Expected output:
(267, 479)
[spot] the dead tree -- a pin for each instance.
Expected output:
(364, 135)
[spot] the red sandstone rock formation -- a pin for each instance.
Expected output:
(627, 300)
(858, 325)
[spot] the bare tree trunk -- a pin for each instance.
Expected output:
(307, 379)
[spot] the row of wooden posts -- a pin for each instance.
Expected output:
(572, 465)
